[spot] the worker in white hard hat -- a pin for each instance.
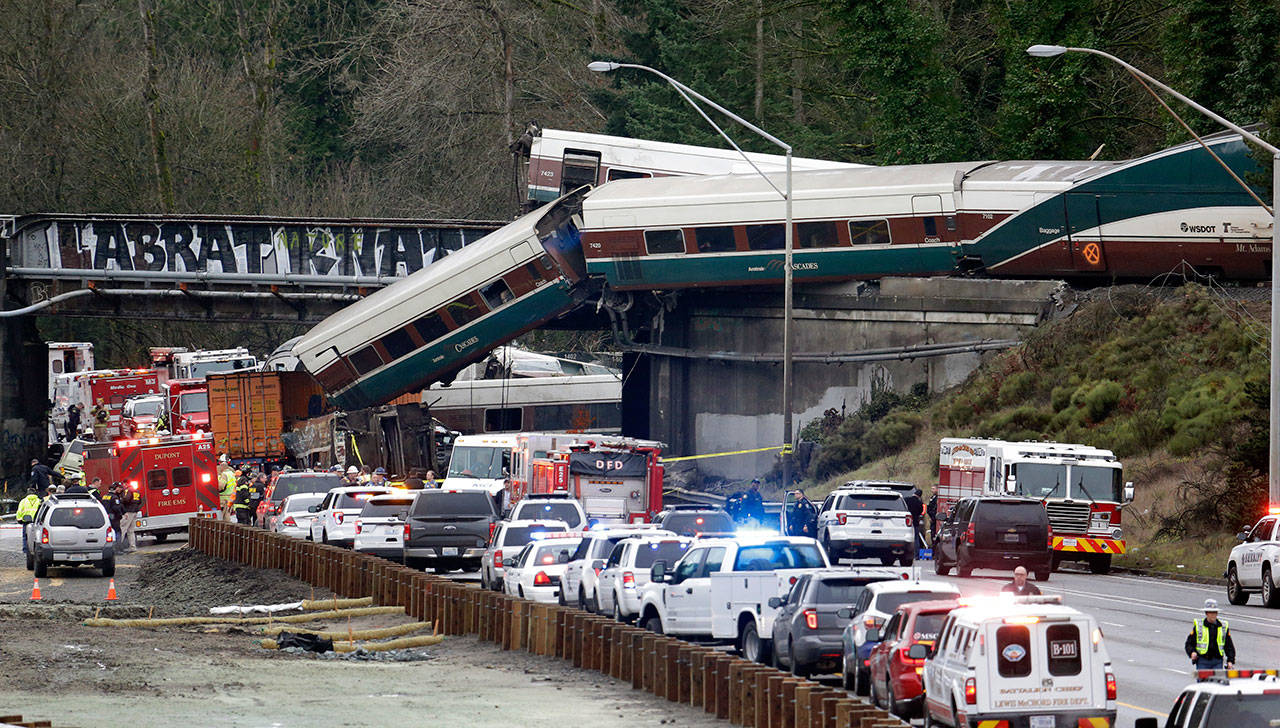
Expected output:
(353, 475)
(1209, 645)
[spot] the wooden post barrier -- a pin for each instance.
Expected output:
(802, 703)
(735, 690)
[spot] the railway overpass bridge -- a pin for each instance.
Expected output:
(186, 267)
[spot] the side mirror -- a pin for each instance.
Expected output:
(844, 613)
(1128, 498)
(658, 572)
(918, 651)
(598, 565)
(775, 602)
(873, 635)
(1146, 723)
(1242, 536)
(313, 509)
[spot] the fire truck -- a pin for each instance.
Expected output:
(1082, 488)
(105, 390)
(176, 475)
(616, 481)
(187, 401)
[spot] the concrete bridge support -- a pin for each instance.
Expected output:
(712, 382)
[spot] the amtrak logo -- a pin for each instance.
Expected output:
(1014, 653)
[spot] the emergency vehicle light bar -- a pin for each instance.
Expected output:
(1224, 675)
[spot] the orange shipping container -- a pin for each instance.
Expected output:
(249, 411)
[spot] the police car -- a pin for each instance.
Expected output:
(1254, 565)
(1020, 662)
(1225, 699)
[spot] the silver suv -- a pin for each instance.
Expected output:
(71, 529)
(867, 521)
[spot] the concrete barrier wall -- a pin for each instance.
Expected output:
(745, 693)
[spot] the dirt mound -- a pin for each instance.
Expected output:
(189, 582)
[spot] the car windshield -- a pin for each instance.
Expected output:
(433, 503)
(200, 370)
(288, 485)
(194, 402)
(1095, 483)
(1040, 480)
(841, 591)
(557, 552)
(302, 502)
(694, 522)
(567, 512)
(146, 407)
(770, 556)
(1243, 711)
(886, 502)
(521, 535)
(390, 508)
(79, 517)
(668, 551)
(355, 499)
(927, 626)
(470, 461)
(889, 602)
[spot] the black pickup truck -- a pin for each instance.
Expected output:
(448, 530)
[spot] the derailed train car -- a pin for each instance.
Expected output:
(426, 327)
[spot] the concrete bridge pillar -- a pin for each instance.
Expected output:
(23, 391)
(714, 379)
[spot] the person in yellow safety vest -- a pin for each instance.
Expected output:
(227, 486)
(27, 512)
(1209, 644)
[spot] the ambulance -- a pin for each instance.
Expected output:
(1082, 488)
(176, 476)
(1018, 662)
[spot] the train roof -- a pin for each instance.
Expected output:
(448, 278)
(641, 148)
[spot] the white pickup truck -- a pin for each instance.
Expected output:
(720, 589)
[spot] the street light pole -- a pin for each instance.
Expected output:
(1273, 459)
(689, 95)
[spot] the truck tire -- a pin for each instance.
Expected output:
(1100, 564)
(653, 623)
(751, 646)
(1235, 593)
(940, 567)
(1043, 574)
(1270, 595)
(31, 561)
(108, 567)
(796, 668)
(161, 537)
(42, 569)
(906, 559)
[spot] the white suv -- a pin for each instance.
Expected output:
(627, 571)
(550, 508)
(71, 530)
(875, 605)
(578, 585)
(1026, 660)
(1224, 699)
(506, 543)
(1254, 565)
(335, 521)
(858, 522)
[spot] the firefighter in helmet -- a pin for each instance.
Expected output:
(243, 506)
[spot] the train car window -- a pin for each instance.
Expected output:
(817, 234)
(580, 168)
(659, 242)
(181, 477)
(869, 232)
(335, 376)
(715, 239)
(398, 343)
(930, 227)
(627, 174)
(430, 327)
(505, 419)
(463, 311)
(496, 293)
(766, 237)
(157, 479)
(366, 360)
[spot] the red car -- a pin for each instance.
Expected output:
(896, 683)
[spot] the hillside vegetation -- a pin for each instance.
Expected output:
(1174, 381)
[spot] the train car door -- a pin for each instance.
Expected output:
(580, 167)
(1084, 232)
(168, 480)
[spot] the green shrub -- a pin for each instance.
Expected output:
(1017, 389)
(1101, 399)
(1060, 397)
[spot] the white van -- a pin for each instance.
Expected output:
(1026, 662)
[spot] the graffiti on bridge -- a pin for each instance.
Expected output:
(248, 247)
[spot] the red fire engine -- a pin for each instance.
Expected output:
(109, 389)
(176, 475)
(616, 481)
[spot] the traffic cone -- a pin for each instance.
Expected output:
(111, 591)
(35, 591)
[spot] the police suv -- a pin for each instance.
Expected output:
(1020, 662)
(1225, 699)
(1254, 565)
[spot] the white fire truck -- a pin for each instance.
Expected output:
(616, 481)
(1082, 488)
